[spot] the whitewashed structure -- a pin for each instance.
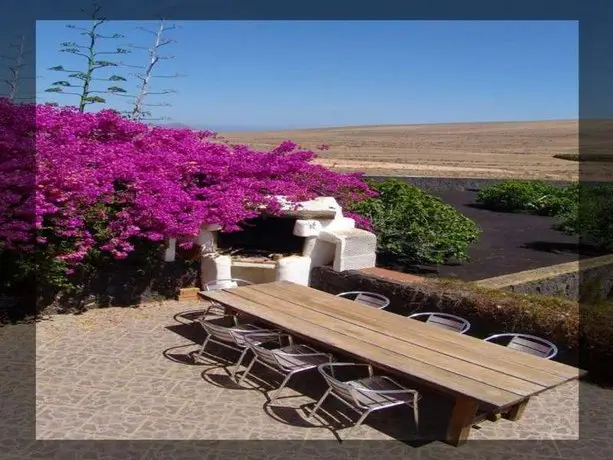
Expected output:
(321, 236)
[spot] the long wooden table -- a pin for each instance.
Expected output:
(480, 376)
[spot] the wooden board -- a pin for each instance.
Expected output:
(463, 346)
(368, 352)
(455, 363)
(415, 352)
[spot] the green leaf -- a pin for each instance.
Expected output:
(61, 83)
(116, 89)
(416, 226)
(94, 99)
(116, 78)
(79, 75)
(57, 67)
(53, 90)
(105, 64)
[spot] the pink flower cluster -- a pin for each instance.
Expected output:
(138, 181)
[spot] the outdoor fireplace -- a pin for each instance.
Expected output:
(286, 246)
(263, 235)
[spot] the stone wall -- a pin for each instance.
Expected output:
(588, 280)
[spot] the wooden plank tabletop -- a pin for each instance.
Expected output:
(453, 362)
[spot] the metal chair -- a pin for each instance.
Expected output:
(372, 299)
(527, 343)
(445, 321)
(366, 395)
(218, 285)
(286, 358)
(226, 283)
(232, 337)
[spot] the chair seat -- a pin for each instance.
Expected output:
(371, 400)
(296, 360)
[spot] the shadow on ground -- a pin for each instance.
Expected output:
(290, 407)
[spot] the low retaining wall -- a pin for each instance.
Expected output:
(589, 280)
(407, 298)
(584, 336)
(129, 286)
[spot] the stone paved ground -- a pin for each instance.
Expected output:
(126, 374)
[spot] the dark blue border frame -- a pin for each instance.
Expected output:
(596, 101)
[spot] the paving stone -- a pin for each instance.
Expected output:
(127, 374)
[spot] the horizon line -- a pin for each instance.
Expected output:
(266, 129)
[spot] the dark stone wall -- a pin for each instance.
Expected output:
(129, 286)
(591, 285)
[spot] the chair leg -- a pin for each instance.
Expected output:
(416, 416)
(204, 344)
(358, 423)
(318, 405)
(239, 362)
(247, 371)
(280, 389)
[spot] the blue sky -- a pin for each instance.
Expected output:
(301, 74)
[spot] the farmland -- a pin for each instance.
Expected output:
(467, 150)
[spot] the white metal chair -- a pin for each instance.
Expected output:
(372, 299)
(527, 343)
(444, 320)
(218, 285)
(232, 337)
(278, 352)
(226, 283)
(368, 394)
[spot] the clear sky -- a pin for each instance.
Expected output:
(300, 74)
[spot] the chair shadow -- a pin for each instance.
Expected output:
(333, 415)
(190, 315)
(193, 315)
(227, 382)
(182, 358)
(396, 422)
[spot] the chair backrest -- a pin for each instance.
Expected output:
(219, 332)
(372, 299)
(341, 389)
(256, 341)
(445, 321)
(528, 344)
(228, 283)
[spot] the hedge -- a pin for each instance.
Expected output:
(583, 333)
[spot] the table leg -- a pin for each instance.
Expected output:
(462, 417)
(516, 411)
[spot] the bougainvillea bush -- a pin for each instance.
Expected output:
(105, 184)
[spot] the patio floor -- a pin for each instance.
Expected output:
(126, 374)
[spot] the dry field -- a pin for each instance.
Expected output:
(468, 150)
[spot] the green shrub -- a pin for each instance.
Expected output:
(592, 216)
(528, 196)
(417, 226)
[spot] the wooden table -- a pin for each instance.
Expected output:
(477, 374)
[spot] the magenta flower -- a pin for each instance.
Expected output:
(100, 181)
